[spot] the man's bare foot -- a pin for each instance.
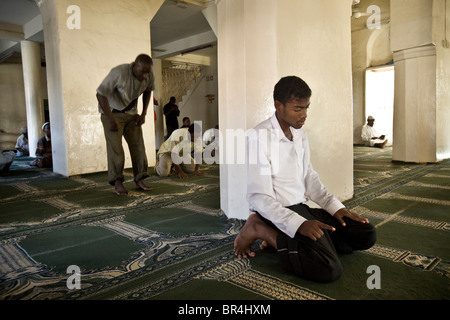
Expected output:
(253, 229)
(120, 189)
(381, 145)
(140, 184)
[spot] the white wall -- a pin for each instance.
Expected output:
(262, 41)
(370, 48)
(247, 73)
(111, 33)
(319, 51)
(13, 108)
(195, 104)
(441, 14)
(12, 105)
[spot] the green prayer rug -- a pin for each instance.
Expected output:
(174, 242)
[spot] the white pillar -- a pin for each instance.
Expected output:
(414, 129)
(159, 122)
(260, 41)
(247, 73)
(78, 59)
(32, 76)
(420, 100)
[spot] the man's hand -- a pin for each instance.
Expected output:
(140, 120)
(347, 213)
(198, 173)
(180, 172)
(113, 126)
(313, 229)
(182, 175)
(104, 105)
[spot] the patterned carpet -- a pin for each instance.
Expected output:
(174, 243)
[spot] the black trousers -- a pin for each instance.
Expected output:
(318, 260)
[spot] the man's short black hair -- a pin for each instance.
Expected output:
(195, 127)
(291, 87)
(144, 59)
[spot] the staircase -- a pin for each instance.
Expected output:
(178, 80)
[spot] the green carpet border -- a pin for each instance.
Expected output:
(403, 179)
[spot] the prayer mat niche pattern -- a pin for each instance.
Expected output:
(48, 223)
(177, 244)
(411, 252)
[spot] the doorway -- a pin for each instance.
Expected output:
(379, 99)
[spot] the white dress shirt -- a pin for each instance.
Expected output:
(280, 174)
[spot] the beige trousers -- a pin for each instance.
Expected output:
(114, 149)
(164, 165)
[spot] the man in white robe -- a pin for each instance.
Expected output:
(370, 135)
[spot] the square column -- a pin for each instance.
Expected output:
(83, 42)
(32, 77)
(422, 60)
(261, 41)
(414, 129)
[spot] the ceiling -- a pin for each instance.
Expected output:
(14, 16)
(175, 20)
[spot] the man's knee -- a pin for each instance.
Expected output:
(323, 267)
(321, 270)
(162, 171)
(370, 238)
(312, 260)
(330, 272)
(363, 236)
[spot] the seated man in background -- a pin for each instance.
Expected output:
(44, 149)
(371, 136)
(22, 143)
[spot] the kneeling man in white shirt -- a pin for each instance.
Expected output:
(280, 180)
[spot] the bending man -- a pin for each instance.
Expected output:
(117, 96)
